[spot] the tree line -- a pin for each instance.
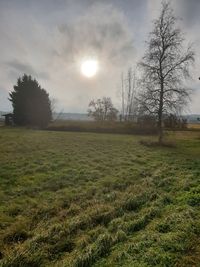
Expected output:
(155, 89)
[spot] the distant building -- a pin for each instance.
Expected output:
(8, 119)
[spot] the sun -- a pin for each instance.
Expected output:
(89, 68)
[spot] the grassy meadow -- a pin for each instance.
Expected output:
(72, 199)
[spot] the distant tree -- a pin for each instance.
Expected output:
(165, 66)
(31, 103)
(147, 121)
(172, 121)
(128, 95)
(102, 110)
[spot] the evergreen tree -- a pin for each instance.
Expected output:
(31, 103)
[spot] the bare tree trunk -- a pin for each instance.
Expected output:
(160, 114)
(160, 131)
(129, 94)
(122, 80)
(132, 94)
(128, 101)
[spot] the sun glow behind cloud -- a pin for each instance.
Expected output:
(89, 68)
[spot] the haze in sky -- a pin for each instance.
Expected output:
(53, 40)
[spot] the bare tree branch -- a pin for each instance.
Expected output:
(165, 65)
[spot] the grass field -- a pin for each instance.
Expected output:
(102, 200)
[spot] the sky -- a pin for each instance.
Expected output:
(49, 39)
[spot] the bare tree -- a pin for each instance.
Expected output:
(128, 93)
(165, 66)
(102, 110)
(122, 97)
(56, 116)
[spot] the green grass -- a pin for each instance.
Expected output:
(84, 199)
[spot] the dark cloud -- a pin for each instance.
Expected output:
(19, 68)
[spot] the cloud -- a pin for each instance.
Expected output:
(5, 104)
(189, 10)
(21, 68)
(49, 39)
(102, 31)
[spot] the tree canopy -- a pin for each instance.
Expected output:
(31, 103)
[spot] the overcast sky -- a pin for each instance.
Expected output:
(50, 38)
